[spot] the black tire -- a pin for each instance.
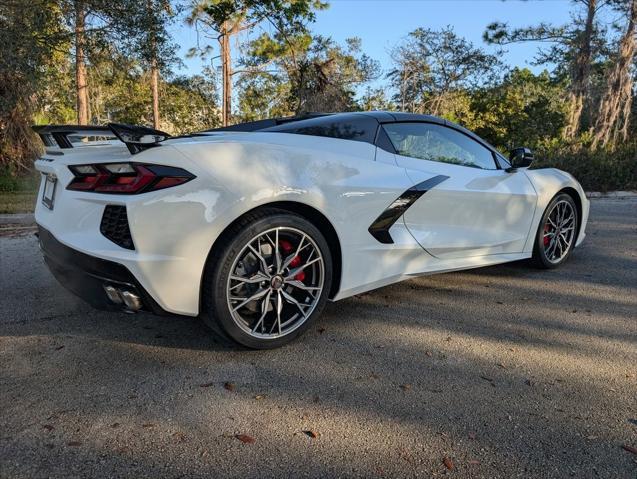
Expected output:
(216, 312)
(540, 258)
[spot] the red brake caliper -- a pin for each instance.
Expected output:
(287, 247)
(547, 240)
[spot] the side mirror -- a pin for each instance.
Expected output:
(521, 158)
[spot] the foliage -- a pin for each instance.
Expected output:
(148, 38)
(432, 67)
(121, 92)
(599, 84)
(17, 193)
(263, 96)
(524, 110)
(326, 75)
(221, 19)
(287, 15)
(375, 99)
(559, 42)
(284, 69)
(31, 34)
(597, 170)
(187, 106)
(613, 120)
(190, 105)
(304, 74)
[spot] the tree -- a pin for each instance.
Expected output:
(523, 110)
(269, 64)
(263, 96)
(433, 69)
(121, 88)
(375, 99)
(582, 70)
(150, 41)
(32, 39)
(80, 63)
(574, 48)
(226, 18)
(191, 105)
(94, 24)
(326, 75)
(303, 73)
(615, 107)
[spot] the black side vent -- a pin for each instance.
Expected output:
(114, 226)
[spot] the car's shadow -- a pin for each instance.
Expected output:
(487, 289)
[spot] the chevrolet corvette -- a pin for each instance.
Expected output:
(254, 227)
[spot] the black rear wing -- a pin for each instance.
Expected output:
(136, 138)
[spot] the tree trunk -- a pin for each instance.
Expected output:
(614, 111)
(154, 67)
(80, 65)
(581, 74)
(226, 74)
(154, 86)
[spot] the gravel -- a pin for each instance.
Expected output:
(501, 372)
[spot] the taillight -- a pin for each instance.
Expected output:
(126, 178)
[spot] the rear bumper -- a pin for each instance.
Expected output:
(86, 276)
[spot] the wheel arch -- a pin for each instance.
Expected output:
(307, 212)
(572, 192)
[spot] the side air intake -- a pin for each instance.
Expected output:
(114, 226)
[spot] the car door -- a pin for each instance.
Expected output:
(475, 208)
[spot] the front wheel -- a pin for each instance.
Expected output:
(263, 287)
(556, 234)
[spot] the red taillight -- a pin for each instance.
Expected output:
(170, 181)
(126, 178)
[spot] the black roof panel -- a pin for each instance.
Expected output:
(259, 125)
(345, 126)
(357, 126)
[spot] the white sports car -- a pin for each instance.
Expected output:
(254, 227)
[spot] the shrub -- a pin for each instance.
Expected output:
(12, 183)
(600, 170)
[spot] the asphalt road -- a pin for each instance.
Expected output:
(501, 372)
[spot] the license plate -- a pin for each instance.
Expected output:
(48, 195)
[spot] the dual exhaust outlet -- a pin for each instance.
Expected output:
(121, 296)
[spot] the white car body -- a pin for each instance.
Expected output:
(474, 218)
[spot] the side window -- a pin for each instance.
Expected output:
(432, 142)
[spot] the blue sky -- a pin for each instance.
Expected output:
(383, 23)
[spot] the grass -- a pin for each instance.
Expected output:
(18, 202)
(18, 194)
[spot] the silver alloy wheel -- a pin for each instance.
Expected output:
(559, 231)
(275, 283)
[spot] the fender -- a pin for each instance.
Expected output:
(548, 182)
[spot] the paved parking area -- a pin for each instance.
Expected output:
(496, 373)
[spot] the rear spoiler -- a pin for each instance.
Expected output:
(136, 138)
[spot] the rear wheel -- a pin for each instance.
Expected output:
(270, 280)
(555, 237)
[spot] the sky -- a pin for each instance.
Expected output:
(381, 24)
